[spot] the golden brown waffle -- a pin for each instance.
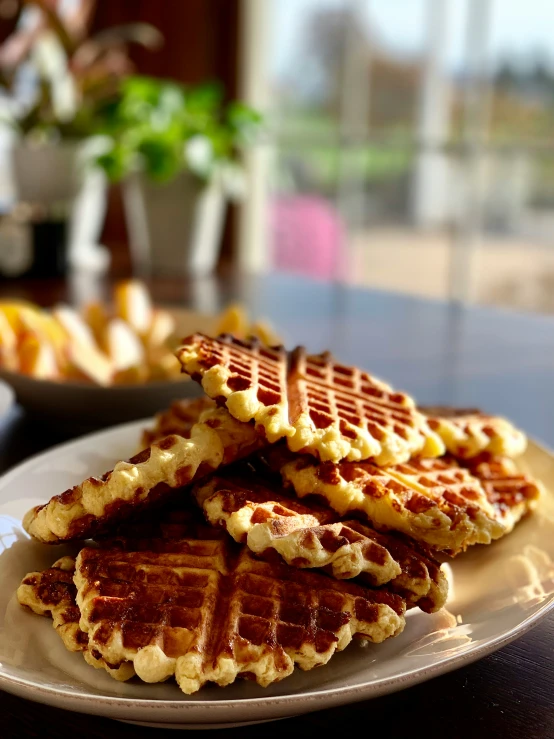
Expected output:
(207, 610)
(421, 580)
(511, 493)
(320, 406)
(98, 503)
(253, 512)
(307, 536)
(433, 501)
(178, 419)
(52, 593)
(469, 432)
(244, 489)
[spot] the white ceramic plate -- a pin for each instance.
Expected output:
(497, 593)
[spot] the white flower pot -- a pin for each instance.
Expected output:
(45, 174)
(175, 228)
(57, 177)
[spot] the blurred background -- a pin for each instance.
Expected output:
(404, 145)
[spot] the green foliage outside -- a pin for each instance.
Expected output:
(311, 141)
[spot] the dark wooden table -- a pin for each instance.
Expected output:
(446, 354)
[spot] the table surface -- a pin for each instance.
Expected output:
(443, 354)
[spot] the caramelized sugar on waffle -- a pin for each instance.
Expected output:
(320, 406)
(308, 536)
(511, 493)
(469, 432)
(98, 503)
(178, 419)
(433, 501)
(52, 593)
(207, 610)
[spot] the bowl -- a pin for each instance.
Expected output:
(74, 406)
(7, 399)
(77, 406)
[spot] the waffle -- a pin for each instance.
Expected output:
(512, 494)
(433, 501)
(206, 610)
(309, 536)
(330, 410)
(243, 489)
(178, 419)
(98, 503)
(469, 432)
(254, 513)
(161, 529)
(52, 593)
(421, 581)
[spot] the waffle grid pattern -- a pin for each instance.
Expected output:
(333, 391)
(52, 593)
(432, 501)
(320, 406)
(308, 536)
(211, 615)
(511, 493)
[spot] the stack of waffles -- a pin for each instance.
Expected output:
(300, 504)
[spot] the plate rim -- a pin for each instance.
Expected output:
(306, 701)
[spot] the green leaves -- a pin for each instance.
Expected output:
(160, 156)
(243, 121)
(163, 128)
(114, 163)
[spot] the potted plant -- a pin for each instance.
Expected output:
(57, 81)
(177, 151)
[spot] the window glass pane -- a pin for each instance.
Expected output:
(522, 69)
(423, 130)
(305, 65)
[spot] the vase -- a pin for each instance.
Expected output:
(57, 180)
(175, 228)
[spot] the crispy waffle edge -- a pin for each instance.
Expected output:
(170, 463)
(51, 593)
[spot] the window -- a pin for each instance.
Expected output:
(412, 145)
